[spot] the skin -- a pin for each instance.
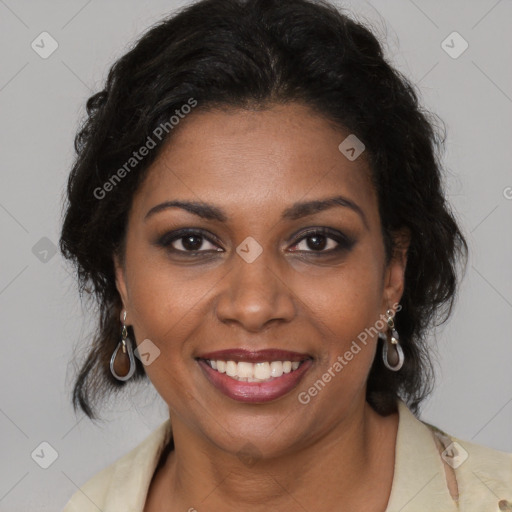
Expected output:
(336, 452)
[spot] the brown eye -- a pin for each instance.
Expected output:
(323, 240)
(317, 243)
(187, 241)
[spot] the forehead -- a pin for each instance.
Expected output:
(255, 162)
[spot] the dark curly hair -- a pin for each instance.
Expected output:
(252, 54)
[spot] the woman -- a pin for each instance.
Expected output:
(257, 207)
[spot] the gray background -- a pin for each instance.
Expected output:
(43, 324)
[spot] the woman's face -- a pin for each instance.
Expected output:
(254, 277)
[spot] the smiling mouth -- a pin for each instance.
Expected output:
(263, 371)
(254, 376)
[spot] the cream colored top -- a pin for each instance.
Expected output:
(424, 456)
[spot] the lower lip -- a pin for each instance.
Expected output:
(254, 392)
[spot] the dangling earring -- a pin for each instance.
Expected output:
(122, 362)
(392, 353)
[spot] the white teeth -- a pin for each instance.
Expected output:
(231, 368)
(244, 369)
(262, 371)
(276, 368)
(254, 372)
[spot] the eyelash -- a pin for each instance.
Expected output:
(345, 243)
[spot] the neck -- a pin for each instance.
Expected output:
(350, 465)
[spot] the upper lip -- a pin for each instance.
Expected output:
(255, 356)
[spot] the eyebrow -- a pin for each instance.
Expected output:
(294, 212)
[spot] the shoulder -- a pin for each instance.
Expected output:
(123, 485)
(482, 473)
(435, 469)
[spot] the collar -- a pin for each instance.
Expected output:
(133, 472)
(419, 481)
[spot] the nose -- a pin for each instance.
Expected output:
(255, 295)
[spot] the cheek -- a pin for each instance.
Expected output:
(166, 302)
(164, 307)
(347, 299)
(346, 307)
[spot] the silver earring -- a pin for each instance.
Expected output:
(392, 353)
(122, 362)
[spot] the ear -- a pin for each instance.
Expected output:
(120, 279)
(394, 276)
